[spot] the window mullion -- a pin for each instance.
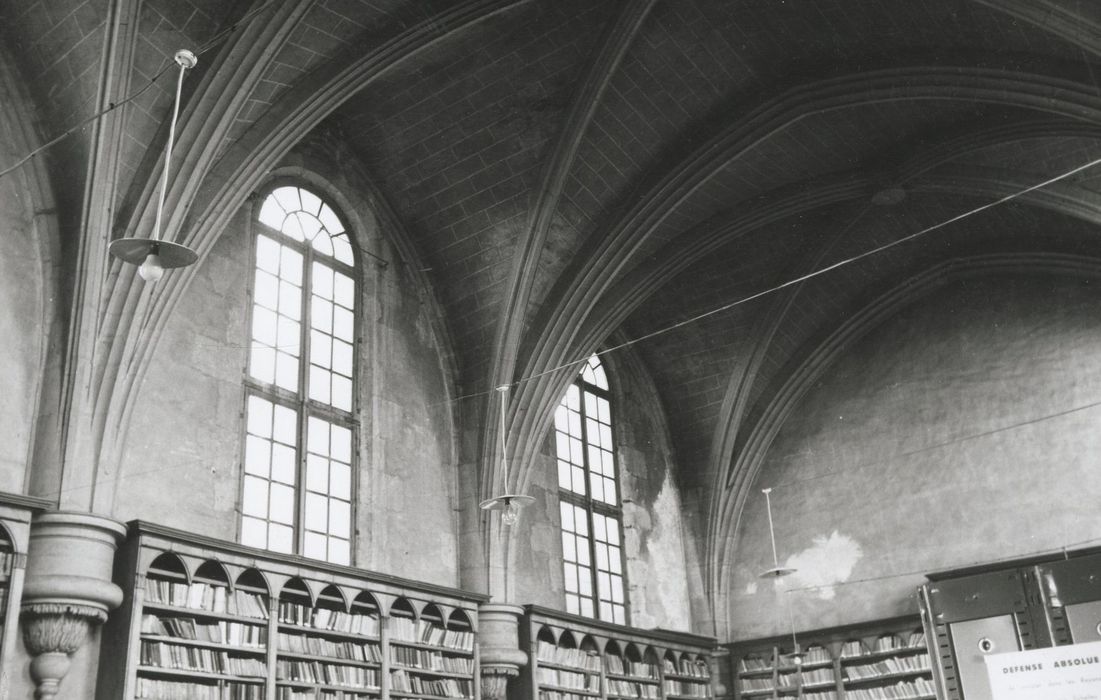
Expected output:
(591, 539)
(303, 402)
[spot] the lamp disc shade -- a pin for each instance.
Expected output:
(136, 250)
(503, 501)
(777, 572)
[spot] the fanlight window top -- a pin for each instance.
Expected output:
(593, 373)
(302, 216)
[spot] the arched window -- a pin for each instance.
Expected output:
(299, 455)
(588, 491)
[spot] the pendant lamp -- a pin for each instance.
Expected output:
(795, 658)
(509, 503)
(152, 255)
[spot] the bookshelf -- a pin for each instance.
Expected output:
(872, 661)
(209, 620)
(15, 521)
(576, 658)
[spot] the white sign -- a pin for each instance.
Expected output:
(1055, 673)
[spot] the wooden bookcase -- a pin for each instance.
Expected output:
(576, 658)
(203, 619)
(885, 659)
(15, 525)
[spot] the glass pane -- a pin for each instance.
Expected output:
(292, 227)
(340, 480)
(573, 604)
(605, 611)
(567, 516)
(343, 324)
(576, 452)
(340, 518)
(581, 521)
(287, 198)
(342, 393)
(310, 228)
(619, 615)
(318, 431)
(319, 384)
(586, 583)
(254, 532)
(282, 504)
(595, 464)
(317, 512)
(271, 214)
(562, 445)
(344, 291)
(596, 486)
(255, 498)
(290, 266)
(341, 443)
(259, 416)
(342, 250)
(590, 404)
(561, 418)
(563, 474)
(310, 201)
(603, 585)
(290, 335)
(339, 551)
(286, 425)
(321, 349)
(314, 545)
(606, 436)
(264, 325)
(583, 558)
(586, 607)
(601, 556)
(617, 589)
(570, 577)
(601, 377)
(603, 412)
(321, 314)
(266, 290)
(578, 480)
(280, 538)
(615, 560)
(282, 464)
(575, 424)
(600, 530)
(286, 371)
(613, 531)
(262, 364)
(322, 281)
(317, 473)
(573, 398)
(609, 491)
(257, 456)
(321, 241)
(342, 357)
(569, 551)
(330, 220)
(267, 253)
(290, 300)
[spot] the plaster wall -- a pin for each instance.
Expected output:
(24, 309)
(653, 529)
(962, 430)
(182, 463)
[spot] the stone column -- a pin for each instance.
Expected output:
(68, 590)
(499, 648)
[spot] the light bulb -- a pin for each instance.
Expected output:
(151, 270)
(510, 514)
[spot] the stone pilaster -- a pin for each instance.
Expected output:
(499, 648)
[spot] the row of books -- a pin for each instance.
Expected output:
(561, 695)
(697, 668)
(639, 669)
(820, 695)
(818, 675)
(567, 679)
(888, 642)
(222, 632)
(164, 655)
(906, 690)
(631, 689)
(326, 619)
(749, 664)
(290, 693)
(155, 689)
(688, 688)
(431, 660)
(319, 646)
(889, 665)
(327, 674)
(567, 657)
(406, 629)
(400, 681)
(205, 596)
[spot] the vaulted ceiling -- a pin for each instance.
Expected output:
(570, 171)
